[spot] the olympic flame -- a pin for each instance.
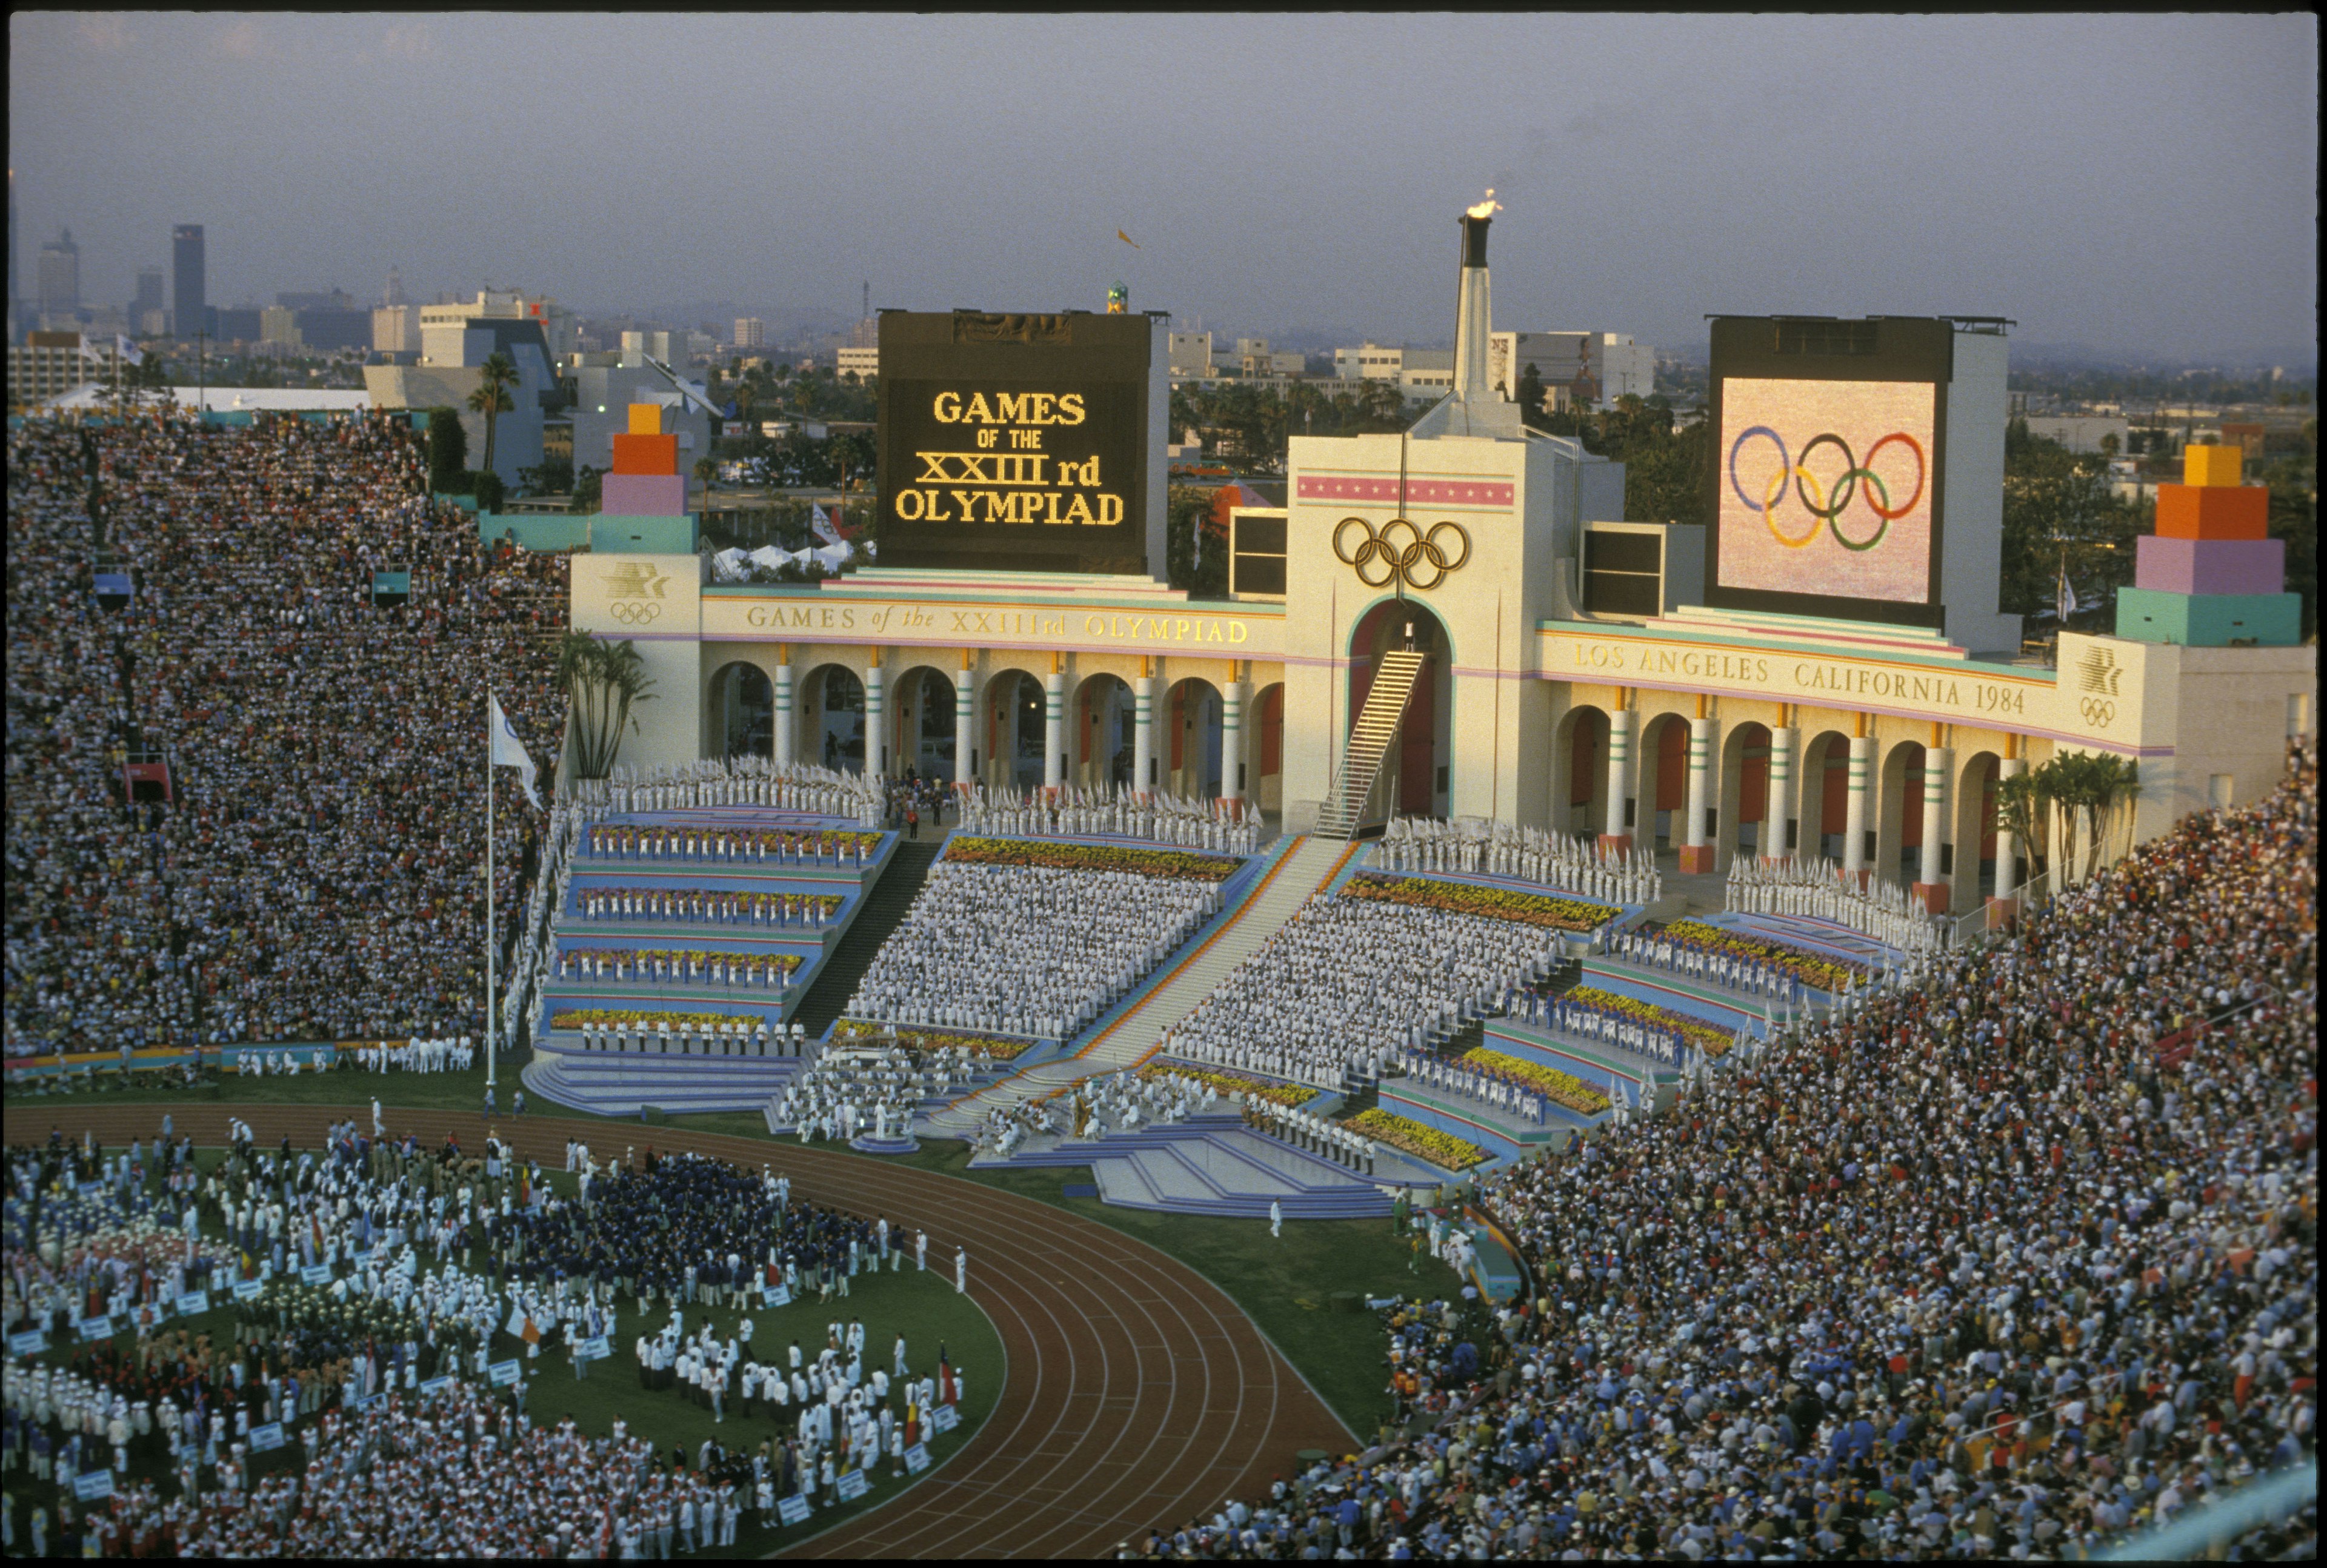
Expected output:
(1486, 207)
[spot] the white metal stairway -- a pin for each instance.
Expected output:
(1370, 739)
(1307, 866)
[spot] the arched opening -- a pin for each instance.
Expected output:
(1742, 823)
(832, 711)
(1826, 794)
(923, 746)
(1192, 720)
(1663, 765)
(1899, 840)
(744, 706)
(1268, 747)
(1102, 739)
(1579, 784)
(1014, 729)
(1418, 768)
(1974, 871)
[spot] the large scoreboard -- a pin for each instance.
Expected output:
(1021, 442)
(1829, 467)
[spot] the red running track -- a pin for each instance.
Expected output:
(1137, 1394)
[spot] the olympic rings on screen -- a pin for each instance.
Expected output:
(1828, 507)
(631, 614)
(1413, 557)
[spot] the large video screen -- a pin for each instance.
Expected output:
(1826, 488)
(1014, 443)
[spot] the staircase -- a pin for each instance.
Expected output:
(884, 907)
(1370, 739)
(1132, 1037)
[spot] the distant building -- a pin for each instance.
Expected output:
(865, 364)
(394, 294)
(235, 324)
(1370, 361)
(556, 322)
(278, 327)
(59, 277)
(1590, 369)
(49, 364)
(751, 332)
(606, 385)
(454, 342)
(1426, 374)
(396, 329)
(2081, 432)
(189, 300)
(149, 295)
(1190, 354)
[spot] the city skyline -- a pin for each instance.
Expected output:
(2139, 186)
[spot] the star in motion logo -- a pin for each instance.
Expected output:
(636, 580)
(2097, 672)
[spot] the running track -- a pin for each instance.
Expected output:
(1137, 1394)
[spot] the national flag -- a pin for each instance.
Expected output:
(826, 523)
(531, 1333)
(508, 752)
(1127, 239)
(127, 351)
(2064, 595)
(517, 1322)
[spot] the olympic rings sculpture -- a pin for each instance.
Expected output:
(633, 614)
(1824, 505)
(1401, 553)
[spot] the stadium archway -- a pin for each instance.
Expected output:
(923, 739)
(1579, 774)
(1743, 826)
(1268, 747)
(831, 718)
(1013, 705)
(1193, 719)
(1105, 717)
(1421, 759)
(744, 703)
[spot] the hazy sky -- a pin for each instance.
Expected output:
(2145, 185)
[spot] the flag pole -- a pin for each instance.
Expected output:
(489, 888)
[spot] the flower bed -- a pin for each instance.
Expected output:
(1706, 1037)
(1816, 970)
(1181, 865)
(1471, 898)
(1560, 1088)
(633, 1018)
(1443, 1150)
(743, 968)
(1231, 1082)
(1000, 1047)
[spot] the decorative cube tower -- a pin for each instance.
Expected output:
(646, 481)
(2210, 576)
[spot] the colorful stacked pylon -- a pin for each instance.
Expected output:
(646, 481)
(2210, 576)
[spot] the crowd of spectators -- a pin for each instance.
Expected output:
(311, 874)
(2008, 1260)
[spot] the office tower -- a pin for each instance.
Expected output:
(190, 300)
(60, 276)
(149, 293)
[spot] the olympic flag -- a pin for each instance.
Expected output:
(508, 752)
(1826, 488)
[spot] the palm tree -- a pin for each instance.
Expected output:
(2111, 784)
(2020, 811)
(602, 680)
(491, 399)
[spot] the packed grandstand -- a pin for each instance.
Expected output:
(2013, 1257)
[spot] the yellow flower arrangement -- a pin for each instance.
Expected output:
(1443, 1150)
(626, 1017)
(1002, 1048)
(1708, 1038)
(1473, 899)
(1560, 1088)
(1179, 864)
(1816, 970)
(1231, 1083)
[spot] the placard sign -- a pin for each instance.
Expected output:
(372, 1401)
(503, 1373)
(97, 1328)
(593, 1350)
(944, 1418)
(437, 1386)
(266, 1439)
(852, 1486)
(193, 1304)
(90, 1189)
(90, 1486)
(247, 1290)
(917, 1458)
(31, 1342)
(776, 1296)
(315, 1273)
(793, 1510)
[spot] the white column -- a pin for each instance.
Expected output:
(965, 725)
(1054, 730)
(876, 727)
(1143, 734)
(1939, 763)
(1785, 744)
(786, 715)
(1233, 698)
(2007, 842)
(1620, 726)
(1853, 820)
(1698, 854)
